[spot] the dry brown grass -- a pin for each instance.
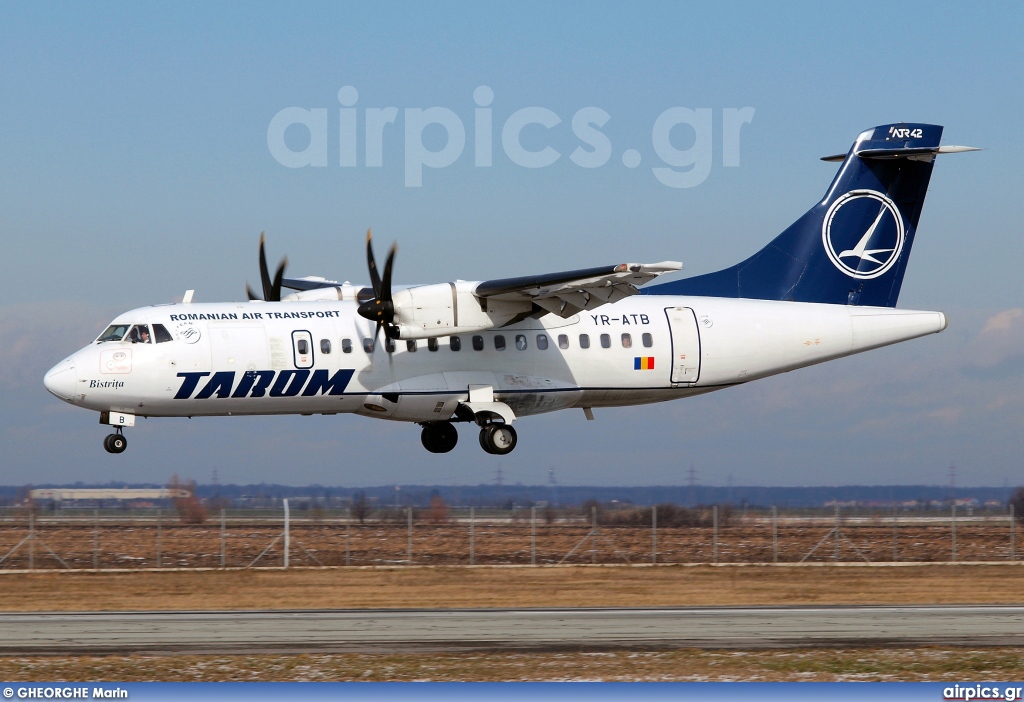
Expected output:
(454, 587)
(131, 543)
(933, 663)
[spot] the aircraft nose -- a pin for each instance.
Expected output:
(61, 379)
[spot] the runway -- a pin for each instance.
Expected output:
(552, 629)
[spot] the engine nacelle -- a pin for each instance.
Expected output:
(345, 291)
(450, 308)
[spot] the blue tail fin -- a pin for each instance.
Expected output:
(852, 247)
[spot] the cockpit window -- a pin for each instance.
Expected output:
(115, 332)
(139, 334)
(161, 334)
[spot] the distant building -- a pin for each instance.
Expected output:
(60, 496)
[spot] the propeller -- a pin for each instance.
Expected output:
(271, 289)
(381, 309)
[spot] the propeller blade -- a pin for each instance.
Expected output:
(275, 288)
(374, 276)
(251, 295)
(264, 272)
(381, 308)
(385, 293)
(386, 301)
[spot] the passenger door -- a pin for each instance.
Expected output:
(685, 345)
(302, 349)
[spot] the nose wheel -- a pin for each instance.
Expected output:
(439, 437)
(498, 439)
(115, 443)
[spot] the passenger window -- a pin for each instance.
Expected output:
(325, 345)
(389, 345)
(368, 345)
(584, 341)
(627, 341)
(478, 343)
(139, 334)
(499, 342)
(410, 345)
(432, 343)
(606, 341)
(302, 347)
(542, 342)
(563, 341)
(161, 334)
(648, 340)
(346, 345)
(455, 343)
(520, 342)
(115, 332)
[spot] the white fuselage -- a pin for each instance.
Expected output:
(246, 358)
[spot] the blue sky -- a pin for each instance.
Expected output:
(134, 164)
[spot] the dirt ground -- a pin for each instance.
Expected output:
(921, 664)
(454, 587)
(142, 544)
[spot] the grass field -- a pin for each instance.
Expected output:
(932, 663)
(453, 587)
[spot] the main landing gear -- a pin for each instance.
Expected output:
(441, 437)
(115, 443)
(498, 439)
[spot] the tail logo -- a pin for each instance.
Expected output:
(863, 234)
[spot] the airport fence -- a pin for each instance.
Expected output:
(74, 540)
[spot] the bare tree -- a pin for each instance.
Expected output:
(438, 510)
(190, 509)
(1017, 500)
(360, 506)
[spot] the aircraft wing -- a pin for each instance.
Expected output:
(308, 283)
(570, 292)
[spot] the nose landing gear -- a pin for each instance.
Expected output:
(115, 443)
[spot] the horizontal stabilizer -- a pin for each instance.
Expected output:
(909, 152)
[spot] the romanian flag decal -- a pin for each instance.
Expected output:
(643, 363)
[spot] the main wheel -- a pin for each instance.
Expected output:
(439, 437)
(498, 439)
(484, 441)
(115, 443)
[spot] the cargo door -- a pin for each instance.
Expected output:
(238, 347)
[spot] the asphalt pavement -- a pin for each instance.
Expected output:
(552, 629)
